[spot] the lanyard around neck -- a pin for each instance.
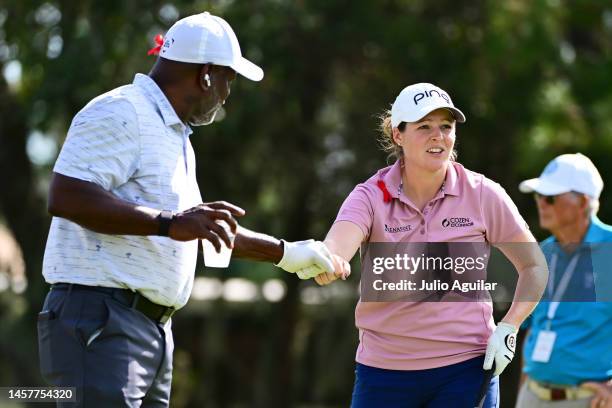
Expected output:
(556, 294)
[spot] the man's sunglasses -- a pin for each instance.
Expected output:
(548, 199)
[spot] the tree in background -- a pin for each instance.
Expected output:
(532, 76)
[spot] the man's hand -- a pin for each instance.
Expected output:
(92, 207)
(202, 222)
(500, 347)
(603, 394)
(342, 269)
(301, 254)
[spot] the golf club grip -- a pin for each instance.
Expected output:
(486, 380)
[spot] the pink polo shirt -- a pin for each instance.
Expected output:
(416, 336)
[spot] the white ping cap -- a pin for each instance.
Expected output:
(207, 39)
(418, 100)
(565, 173)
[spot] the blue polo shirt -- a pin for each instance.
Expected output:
(583, 321)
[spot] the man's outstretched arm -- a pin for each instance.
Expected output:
(290, 256)
(97, 209)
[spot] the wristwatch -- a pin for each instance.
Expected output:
(165, 219)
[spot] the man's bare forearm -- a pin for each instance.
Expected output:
(96, 209)
(255, 246)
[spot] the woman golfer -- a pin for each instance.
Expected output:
(430, 354)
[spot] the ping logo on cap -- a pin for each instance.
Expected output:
(430, 94)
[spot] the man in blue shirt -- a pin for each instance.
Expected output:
(568, 351)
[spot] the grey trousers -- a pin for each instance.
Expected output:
(527, 399)
(114, 355)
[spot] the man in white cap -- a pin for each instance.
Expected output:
(568, 353)
(128, 214)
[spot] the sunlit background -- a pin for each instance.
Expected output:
(533, 77)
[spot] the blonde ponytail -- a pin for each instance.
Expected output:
(385, 138)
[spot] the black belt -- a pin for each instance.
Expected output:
(157, 313)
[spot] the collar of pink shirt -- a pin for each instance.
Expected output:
(392, 177)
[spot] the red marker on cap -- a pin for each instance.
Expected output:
(159, 40)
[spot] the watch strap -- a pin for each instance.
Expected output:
(165, 219)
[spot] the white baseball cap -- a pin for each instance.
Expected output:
(207, 39)
(565, 173)
(418, 100)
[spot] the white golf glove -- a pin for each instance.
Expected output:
(309, 272)
(302, 254)
(500, 347)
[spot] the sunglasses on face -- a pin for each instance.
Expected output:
(548, 199)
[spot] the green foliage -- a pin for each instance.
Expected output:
(533, 78)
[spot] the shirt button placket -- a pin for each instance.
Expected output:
(425, 213)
